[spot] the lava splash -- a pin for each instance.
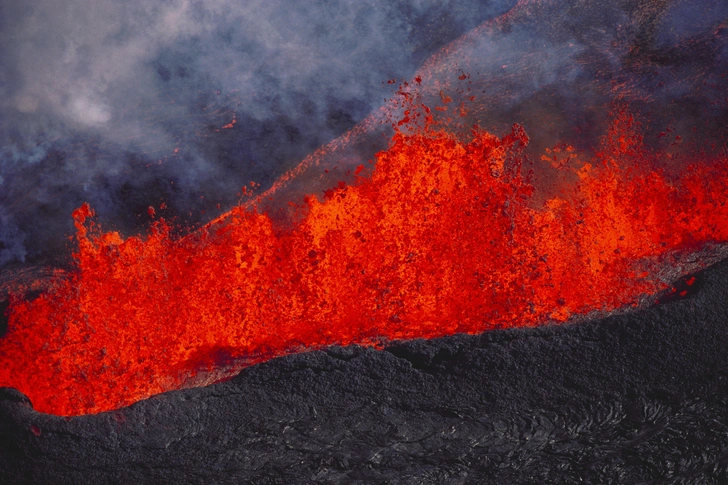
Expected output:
(444, 237)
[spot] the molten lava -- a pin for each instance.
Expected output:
(442, 238)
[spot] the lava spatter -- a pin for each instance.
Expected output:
(443, 237)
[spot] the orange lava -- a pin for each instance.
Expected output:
(442, 238)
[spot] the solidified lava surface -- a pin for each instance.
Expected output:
(633, 398)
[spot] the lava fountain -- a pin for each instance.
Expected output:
(439, 240)
(451, 229)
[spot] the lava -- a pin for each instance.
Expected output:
(444, 237)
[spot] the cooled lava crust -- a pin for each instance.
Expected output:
(632, 398)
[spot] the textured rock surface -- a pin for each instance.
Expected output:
(637, 398)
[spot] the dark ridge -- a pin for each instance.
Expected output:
(630, 399)
(4, 304)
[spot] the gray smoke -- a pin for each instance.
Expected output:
(562, 68)
(126, 104)
(123, 104)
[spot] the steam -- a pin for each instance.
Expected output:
(122, 104)
(131, 104)
(560, 69)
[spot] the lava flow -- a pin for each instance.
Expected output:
(442, 238)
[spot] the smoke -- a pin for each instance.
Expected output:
(123, 104)
(561, 69)
(131, 104)
(12, 245)
(666, 59)
(684, 19)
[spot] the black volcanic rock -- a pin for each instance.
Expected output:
(629, 399)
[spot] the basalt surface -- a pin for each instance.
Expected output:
(632, 398)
